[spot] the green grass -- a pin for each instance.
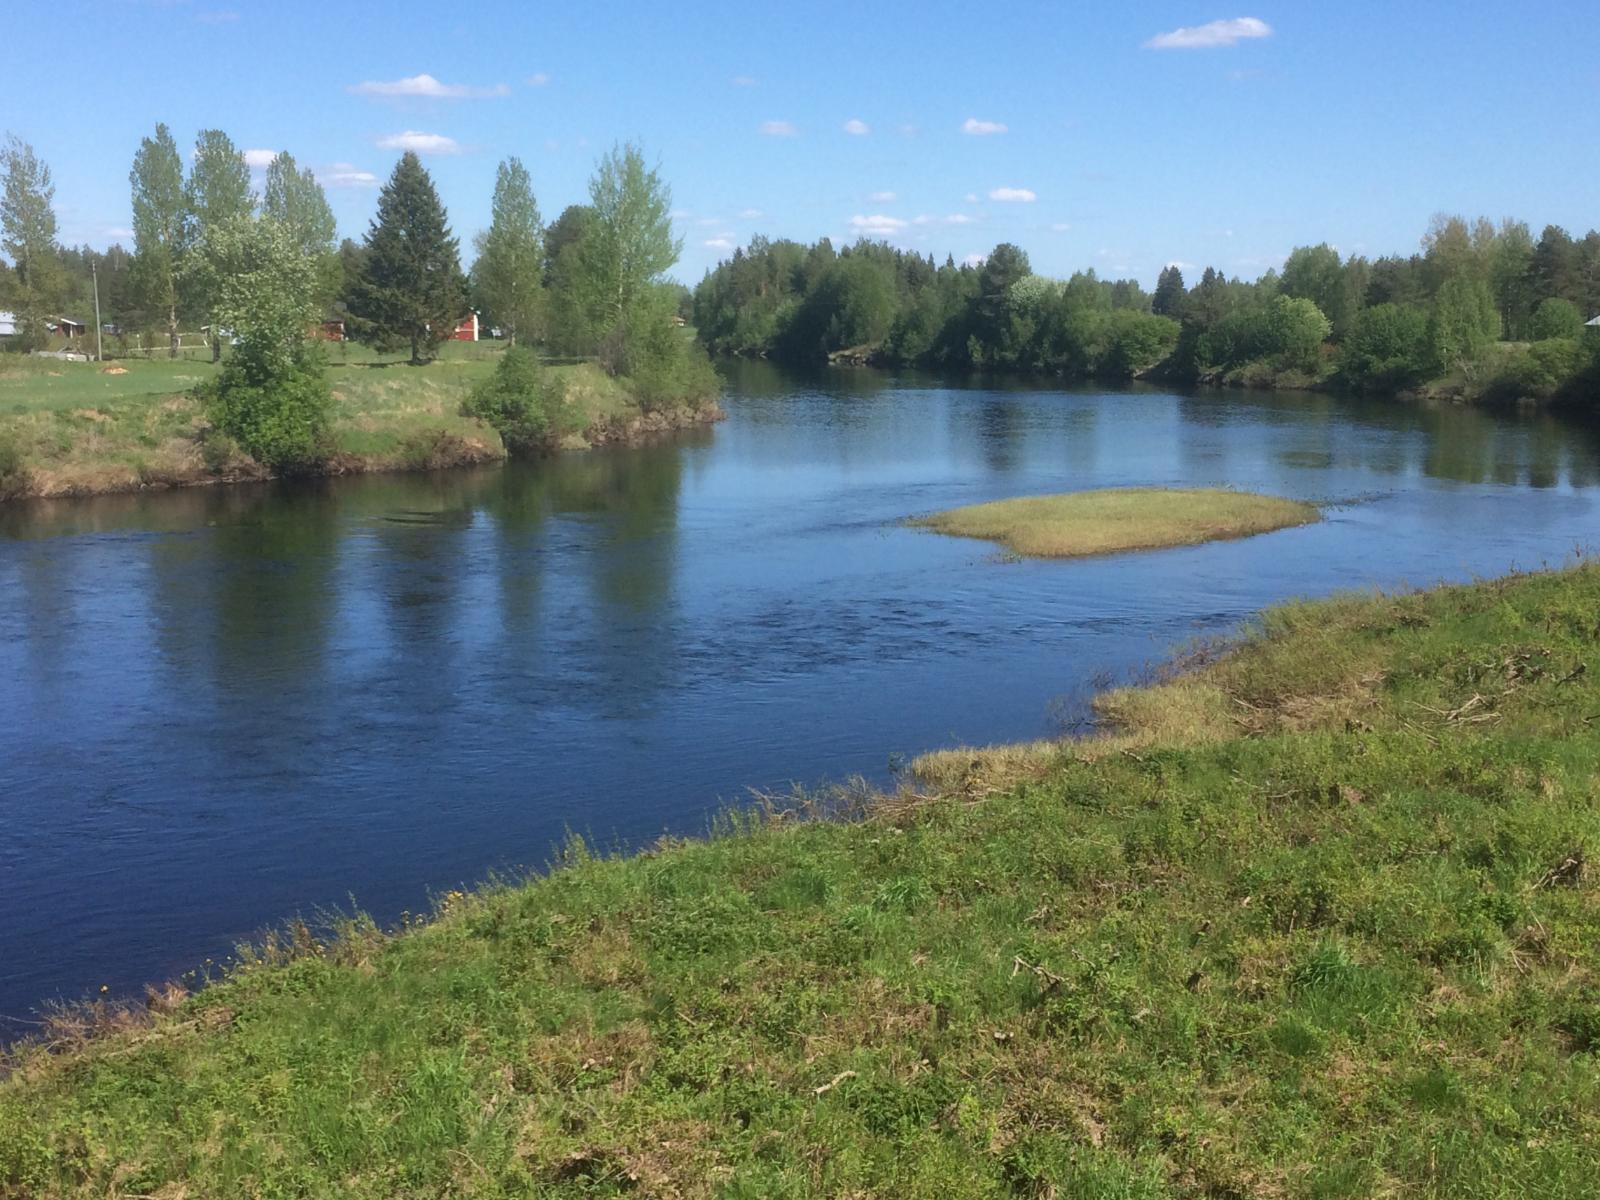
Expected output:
(76, 428)
(1112, 520)
(1316, 919)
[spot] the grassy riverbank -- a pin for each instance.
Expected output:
(1111, 520)
(80, 429)
(1316, 919)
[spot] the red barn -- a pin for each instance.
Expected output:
(466, 329)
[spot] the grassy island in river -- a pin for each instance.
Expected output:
(1111, 520)
(1316, 918)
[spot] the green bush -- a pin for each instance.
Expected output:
(1539, 372)
(1287, 332)
(518, 403)
(664, 366)
(1555, 318)
(1387, 350)
(276, 408)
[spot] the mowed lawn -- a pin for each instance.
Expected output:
(1316, 919)
(1112, 520)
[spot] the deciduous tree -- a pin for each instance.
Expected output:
(508, 275)
(158, 227)
(28, 237)
(218, 192)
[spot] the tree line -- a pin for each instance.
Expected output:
(1481, 311)
(260, 272)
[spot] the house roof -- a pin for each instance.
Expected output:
(1595, 323)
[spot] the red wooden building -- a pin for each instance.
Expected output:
(466, 329)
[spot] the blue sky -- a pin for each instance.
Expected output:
(1144, 133)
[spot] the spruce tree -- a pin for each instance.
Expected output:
(1168, 300)
(410, 289)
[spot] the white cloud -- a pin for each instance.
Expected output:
(857, 127)
(979, 128)
(422, 143)
(1211, 35)
(260, 159)
(680, 214)
(1013, 195)
(721, 243)
(881, 197)
(710, 222)
(877, 223)
(118, 232)
(743, 81)
(972, 197)
(538, 79)
(1060, 227)
(952, 219)
(426, 86)
(1181, 265)
(750, 214)
(974, 260)
(347, 175)
(779, 129)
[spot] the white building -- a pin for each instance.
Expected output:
(8, 324)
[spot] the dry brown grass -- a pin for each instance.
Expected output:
(1113, 520)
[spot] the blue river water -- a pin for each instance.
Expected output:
(222, 707)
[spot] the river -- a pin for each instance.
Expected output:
(221, 707)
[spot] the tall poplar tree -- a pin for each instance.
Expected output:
(507, 276)
(158, 227)
(295, 199)
(28, 237)
(410, 289)
(217, 194)
(629, 244)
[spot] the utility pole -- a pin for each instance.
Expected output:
(94, 273)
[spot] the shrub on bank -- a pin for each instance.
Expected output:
(276, 409)
(519, 402)
(13, 474)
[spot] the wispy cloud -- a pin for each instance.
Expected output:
(878, 223)
(952, 219)
(259, 159)
(974, 260)
(422, 143)
(882, 197)
(538, 79)
(427, 87)
(224, 16)
(751, 214)
(1014, 195)
(857, 127)
(347, 175)
(725, 242)
(117, 231)
(1211, 35)
(743, 81)
(977, 128)
(1060, 227)
(779, 129)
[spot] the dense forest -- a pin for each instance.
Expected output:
(1482, 311)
